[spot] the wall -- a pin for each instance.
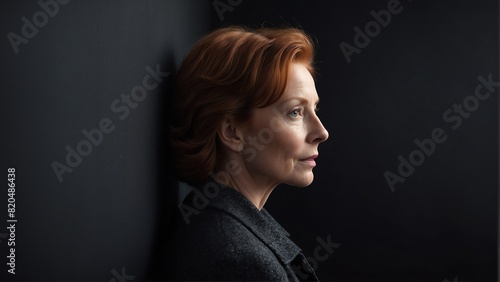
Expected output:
(105, 216)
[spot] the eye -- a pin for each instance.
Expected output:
(295, 113)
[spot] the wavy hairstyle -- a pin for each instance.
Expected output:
(228, 73)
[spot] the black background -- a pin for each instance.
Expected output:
(111, 212)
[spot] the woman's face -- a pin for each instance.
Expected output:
(282, 139)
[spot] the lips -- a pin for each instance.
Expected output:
(310, 158)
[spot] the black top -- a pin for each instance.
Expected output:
(219, 234)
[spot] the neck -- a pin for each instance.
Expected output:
(254, 189)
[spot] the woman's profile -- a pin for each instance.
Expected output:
(244, 121)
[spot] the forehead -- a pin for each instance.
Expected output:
(300, 84)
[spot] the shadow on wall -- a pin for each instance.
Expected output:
(102, 215)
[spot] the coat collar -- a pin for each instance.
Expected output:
(260, 223)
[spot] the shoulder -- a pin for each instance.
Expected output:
(215, 245)
(222, 233)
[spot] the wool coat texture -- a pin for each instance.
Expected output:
(219, 235)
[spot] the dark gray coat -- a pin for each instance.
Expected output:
(221, 235)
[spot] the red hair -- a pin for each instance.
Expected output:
(227, 73)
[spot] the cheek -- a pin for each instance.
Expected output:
(285, 148)
(274, 149)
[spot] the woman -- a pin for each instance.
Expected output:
(244, 121)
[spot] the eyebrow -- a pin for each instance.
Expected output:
(302, 100)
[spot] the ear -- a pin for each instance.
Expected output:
(230, 135)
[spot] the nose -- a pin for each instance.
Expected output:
(318, 132)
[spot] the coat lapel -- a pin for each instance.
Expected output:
(260, 223)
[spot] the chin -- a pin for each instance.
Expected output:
(303, 181)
